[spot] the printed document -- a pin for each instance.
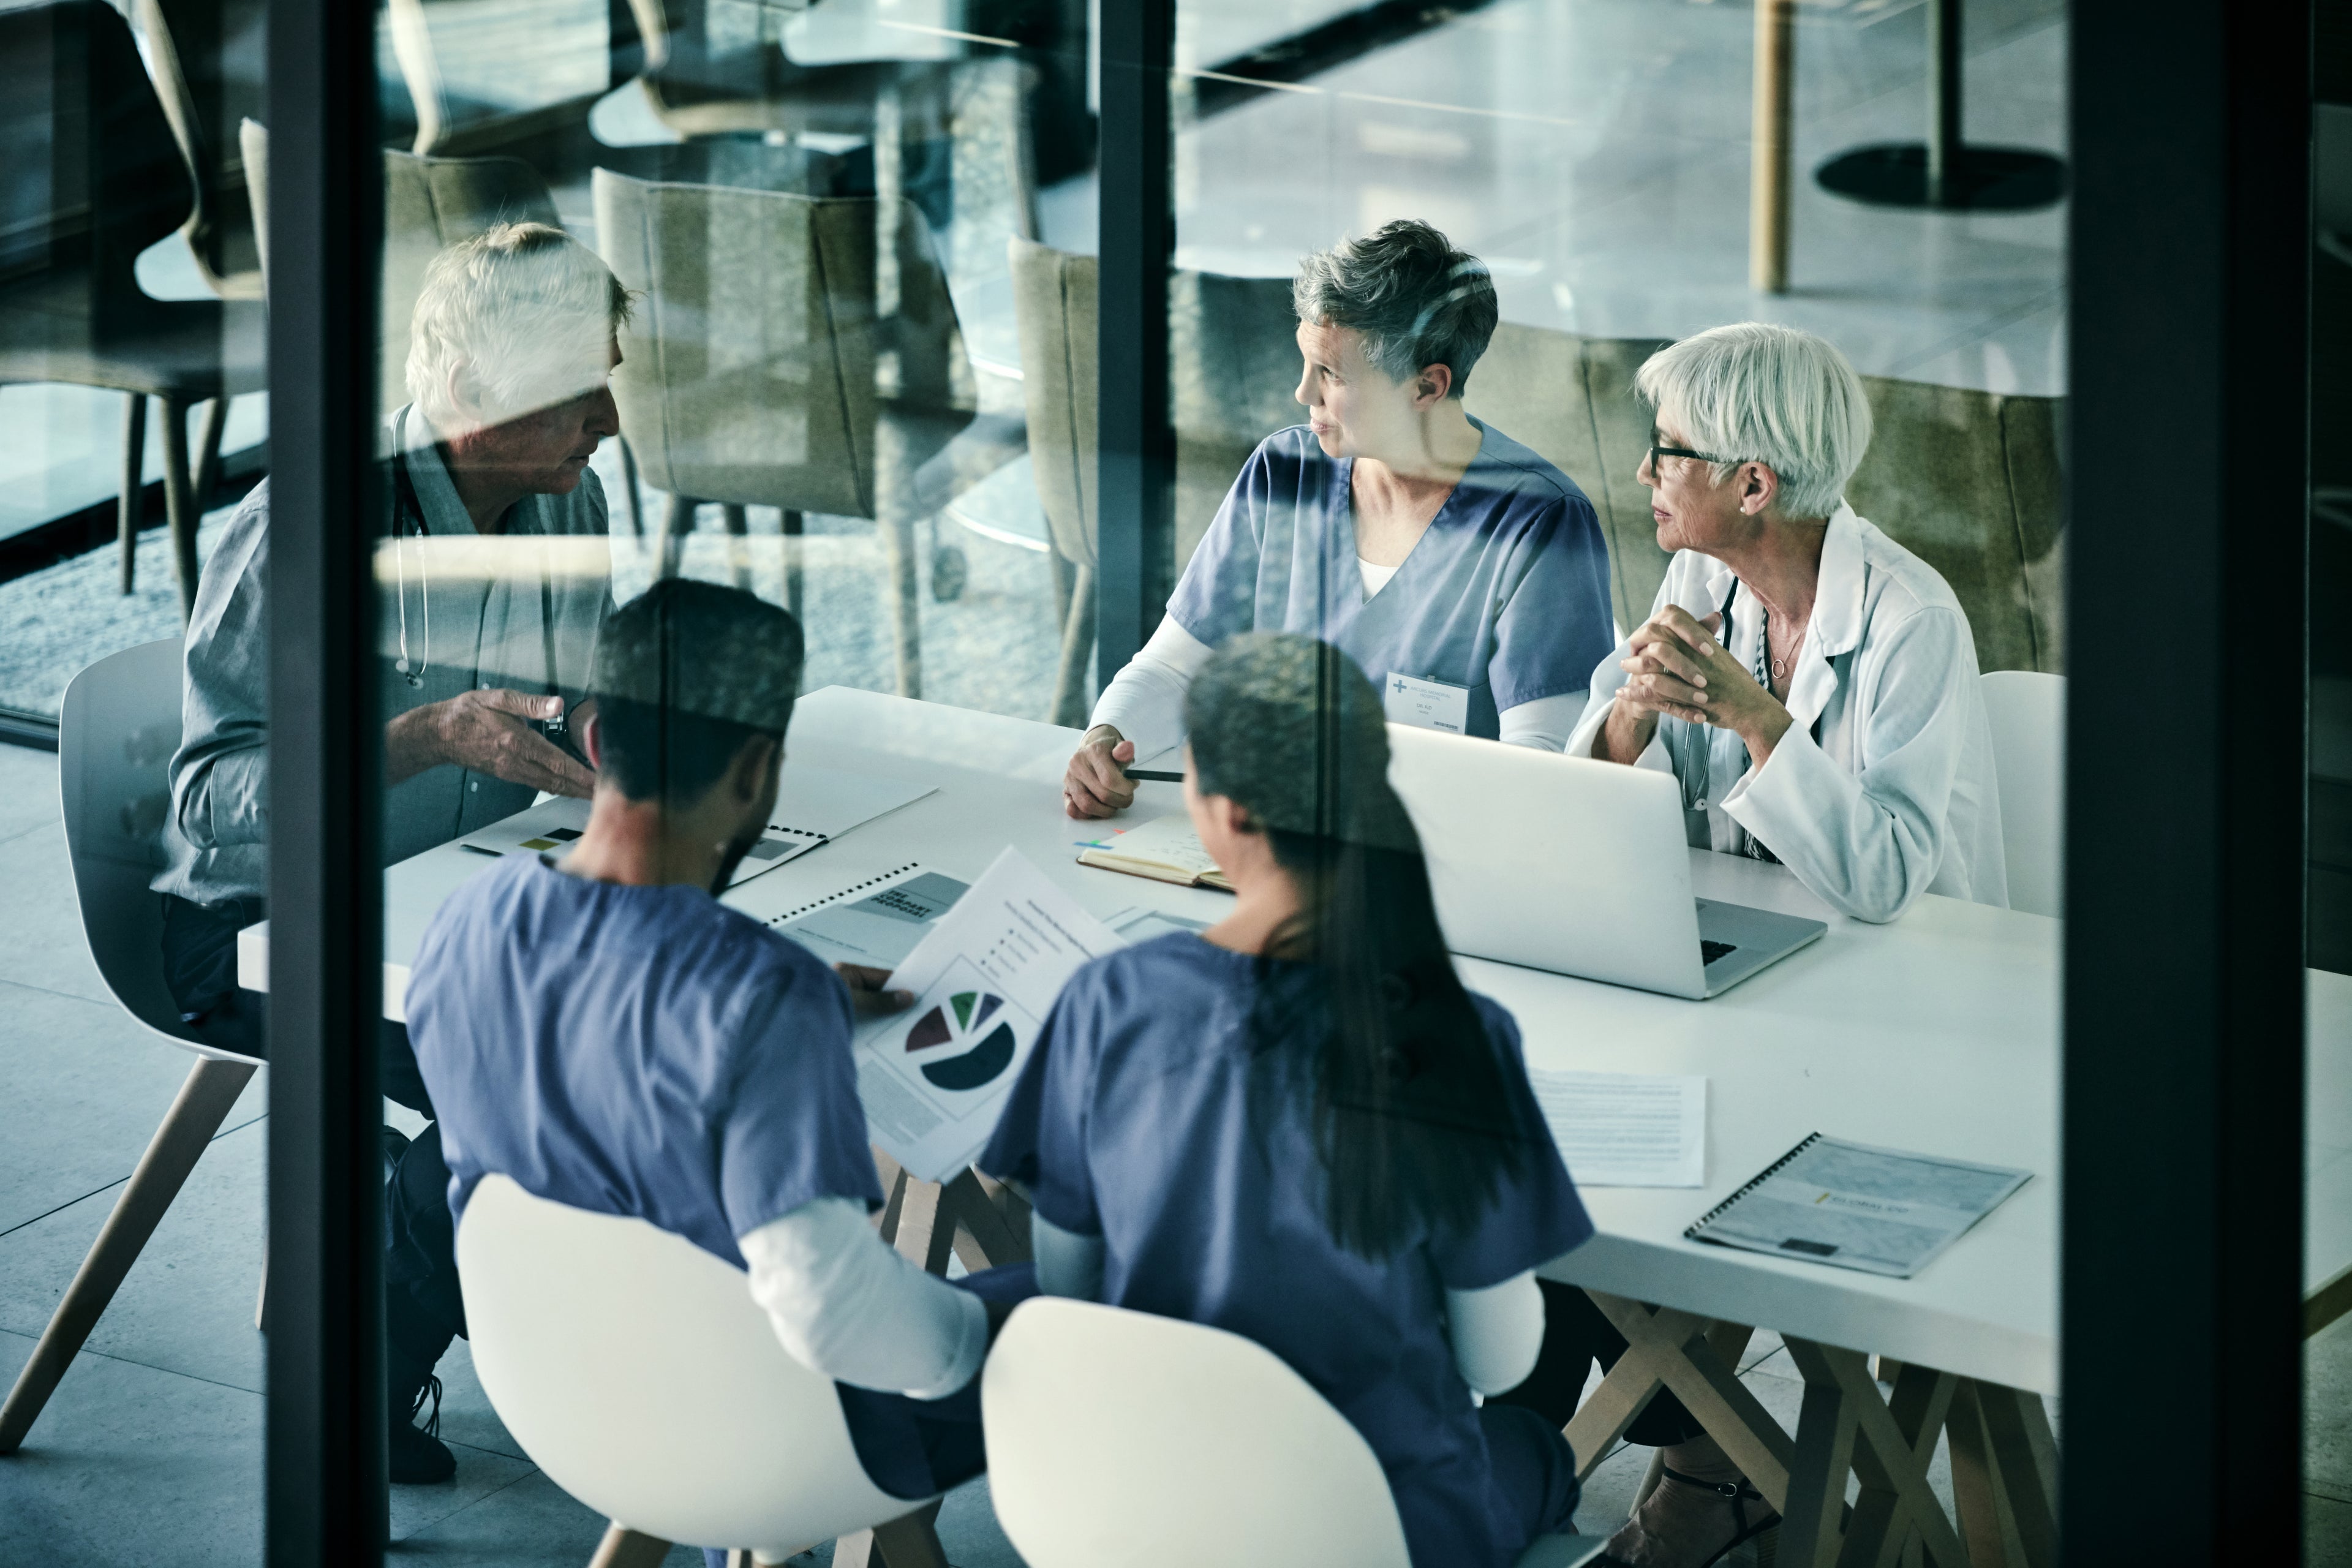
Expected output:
(1854, 1207)
(882, 928)
(814, 805)
(1626, 1130)
(934, 1078)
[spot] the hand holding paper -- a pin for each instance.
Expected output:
(934, 1080)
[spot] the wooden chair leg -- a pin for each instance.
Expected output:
(205, 477)
(795, 524)
(134, 487)
(677, 523)
(179, 505)
(1077, 648)
(900, 571)
(633, 501)
(624, 1548)
(739, 553)
(912, 1541)
(202, 1105)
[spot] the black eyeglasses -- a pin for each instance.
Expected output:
(1658, 451)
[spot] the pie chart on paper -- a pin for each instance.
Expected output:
(963, 1020)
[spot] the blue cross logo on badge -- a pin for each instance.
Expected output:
(1399, 687)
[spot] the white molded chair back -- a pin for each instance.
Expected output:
(2029, 756)
(1119, 1437)
(637, 1371)
(117, 730)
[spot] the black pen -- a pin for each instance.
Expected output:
(1150, 777)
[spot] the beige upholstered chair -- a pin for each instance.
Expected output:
(757, 372)
(486, 73)
(1572, 400)
(1235, 361)
(711, 75)
(206, 60)
(1053, 297)
(1970, 480)
(95, 178)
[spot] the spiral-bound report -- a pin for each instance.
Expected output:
(1853, 1205)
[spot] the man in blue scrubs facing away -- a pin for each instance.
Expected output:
(606, 1033)
(1463, 572)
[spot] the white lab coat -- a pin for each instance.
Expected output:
(1883, 788)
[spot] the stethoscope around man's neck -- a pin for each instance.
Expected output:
(407, 509)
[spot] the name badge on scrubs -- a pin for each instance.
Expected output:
(1426, 704)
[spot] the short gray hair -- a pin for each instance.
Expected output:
(520, 303)
(1757, 393)
(1415, 299)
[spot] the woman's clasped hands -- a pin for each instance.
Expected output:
(1679, 668)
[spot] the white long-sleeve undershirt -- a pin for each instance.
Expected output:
(1495, 1332)
(847, 1307)
(1145, 701)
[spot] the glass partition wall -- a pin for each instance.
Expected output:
(751, 470)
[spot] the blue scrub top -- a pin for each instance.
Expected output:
(639, 1051)
(1133, 1120)
(1506, 594)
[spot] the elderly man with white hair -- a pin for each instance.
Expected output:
(1811, 683)
(494, 583)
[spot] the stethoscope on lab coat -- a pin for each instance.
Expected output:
(408, 513)
(1697, 785)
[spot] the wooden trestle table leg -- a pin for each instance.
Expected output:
(982, 1222)
(2003, 1469)
(1698, 1360)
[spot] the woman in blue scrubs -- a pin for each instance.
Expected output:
(1466, 575)
(1299, 1127)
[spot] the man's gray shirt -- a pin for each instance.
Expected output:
(481, 598)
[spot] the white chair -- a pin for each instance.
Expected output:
(2028, 757)
(1119, 1437)
(637, 1371)
(120, 726)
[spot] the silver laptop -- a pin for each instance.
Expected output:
(1575, 866)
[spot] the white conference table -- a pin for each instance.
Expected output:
(1938, 1034)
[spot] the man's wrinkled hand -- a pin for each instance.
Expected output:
(492, 732)
(1095, 782)
(869, 993)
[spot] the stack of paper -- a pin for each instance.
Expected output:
(1626, 1130)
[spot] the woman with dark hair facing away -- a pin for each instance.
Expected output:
(1297, 1126)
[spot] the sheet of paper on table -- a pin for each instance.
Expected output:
(934, 1078)
(1626, 1130)
(814, 805)
(1852, 1205)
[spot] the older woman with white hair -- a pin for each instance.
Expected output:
(1463, 572)
(1811, 683)
(493, 586)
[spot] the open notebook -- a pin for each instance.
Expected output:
(1166, 850)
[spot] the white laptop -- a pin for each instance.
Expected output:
(1575, 866)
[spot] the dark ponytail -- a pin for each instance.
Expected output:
(1412, 1117)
